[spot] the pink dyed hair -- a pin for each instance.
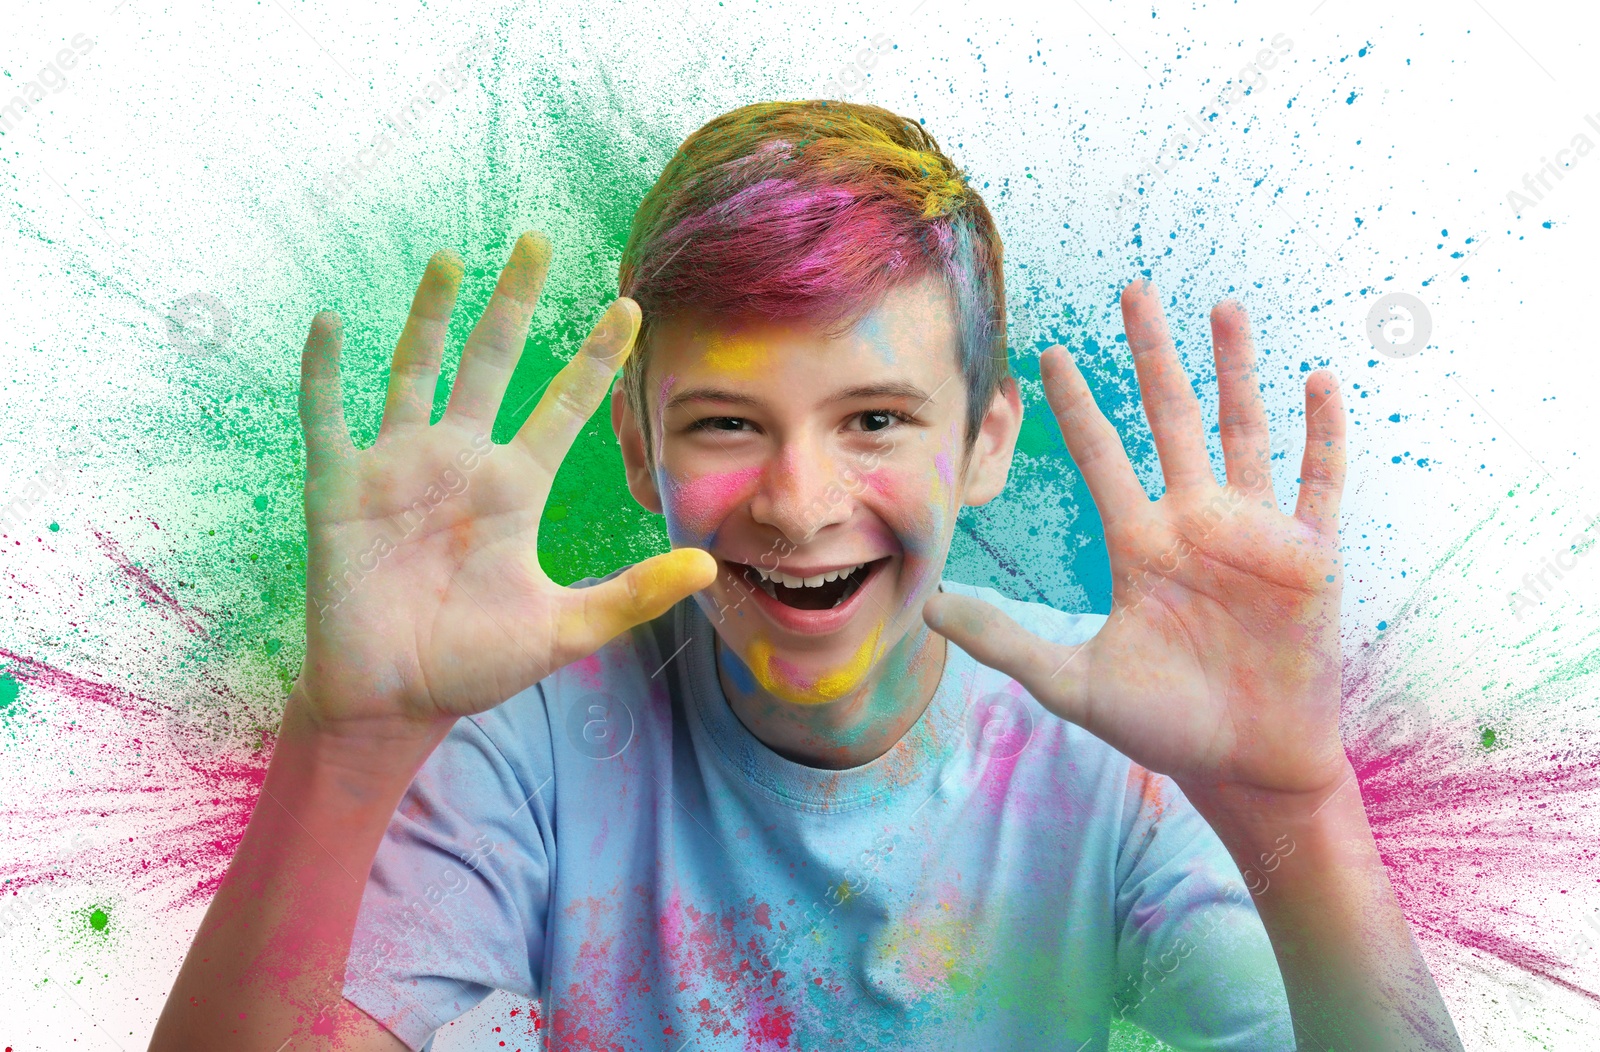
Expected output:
(814, 210)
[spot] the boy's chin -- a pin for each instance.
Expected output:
(812, 677)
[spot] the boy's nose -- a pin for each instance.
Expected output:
(802, 492)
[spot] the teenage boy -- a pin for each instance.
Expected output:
(782, 786)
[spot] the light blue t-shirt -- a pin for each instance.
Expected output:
(614, 843)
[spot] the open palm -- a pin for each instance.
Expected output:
(1219, 663)
(425, 597)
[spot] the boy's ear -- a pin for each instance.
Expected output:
(989, 462)
(641, 479)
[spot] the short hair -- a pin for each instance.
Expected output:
(814, 210)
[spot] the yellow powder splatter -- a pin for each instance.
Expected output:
(828, 687)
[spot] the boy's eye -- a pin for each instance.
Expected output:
(719, 423)
(877, 419)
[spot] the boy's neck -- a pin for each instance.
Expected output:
(855, 729)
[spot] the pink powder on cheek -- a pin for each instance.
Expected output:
(884, 483)
(919, 590)
(702, 501)
(914, 511)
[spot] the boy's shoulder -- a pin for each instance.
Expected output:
(1043, 620)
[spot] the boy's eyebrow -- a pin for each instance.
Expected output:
(888, 389)
(710, 394)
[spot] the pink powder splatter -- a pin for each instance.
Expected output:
(1474, 832)
(187, 798)
(146, 586)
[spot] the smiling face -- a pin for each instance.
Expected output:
(824, 473)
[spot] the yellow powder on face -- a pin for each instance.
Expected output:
(837, 684)
(735, 355)
(830, 686)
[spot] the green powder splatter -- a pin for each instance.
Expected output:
(1126, 1037)
(88, 929)
(1487, 738)
(9, 691)
(577, 175)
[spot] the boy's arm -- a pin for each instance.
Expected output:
(425, 602)
(1350, 966)
(1219, 666)
(267, 965)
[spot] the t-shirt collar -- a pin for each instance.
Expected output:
(919, 754)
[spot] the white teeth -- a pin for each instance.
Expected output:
(789, 581)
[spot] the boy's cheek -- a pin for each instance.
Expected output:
(915, 501)
(695, 505)
(908, 481)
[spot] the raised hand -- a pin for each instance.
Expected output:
(1219, 664)
(425, 598)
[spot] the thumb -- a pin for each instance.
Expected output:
(643, 591)
(1053, 673)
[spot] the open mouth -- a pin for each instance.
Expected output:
(820, 592)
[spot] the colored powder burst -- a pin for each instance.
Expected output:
(88, 929)
(226, 566)
(186, 789)
(212, 587)
(1481, 820)
(502, 1021)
